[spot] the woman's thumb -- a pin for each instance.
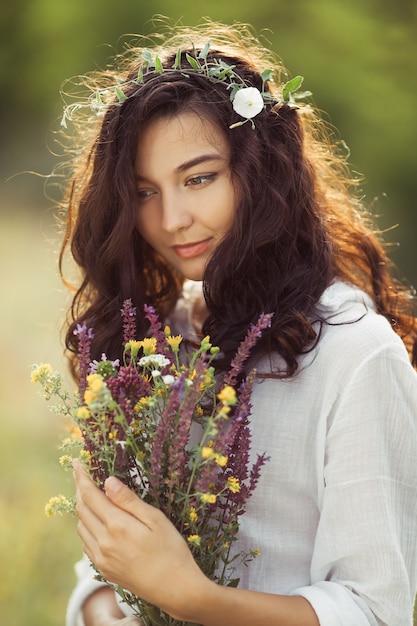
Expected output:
(128, 501)
(119, 493)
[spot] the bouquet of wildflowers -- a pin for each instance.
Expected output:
(162, 424)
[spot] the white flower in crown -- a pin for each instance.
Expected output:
(248, 102)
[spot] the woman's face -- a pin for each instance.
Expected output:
(186, 198)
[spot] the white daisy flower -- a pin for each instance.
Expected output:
(154, 359)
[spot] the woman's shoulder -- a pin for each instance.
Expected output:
(349, 333)
(348, 320)
(357, 351)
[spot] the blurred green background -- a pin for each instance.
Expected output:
(359, 59)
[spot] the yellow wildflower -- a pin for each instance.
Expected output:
(199, 411)
(233, 484)
(255, 552)
(44, 369)
(193, 515)
(96, 385)
(92, 377)
(82, 413)
(221, 459)
(207, 452)
(205, 343)
(209, 498)
(66, 443)
(224, 412)
(89, 396)
(58, 505)
(85, 456)
(65, 461)
(174, 342)
(194, 539)
(134, 347)
(206, 383)
(142, 403)
(227, 395)
(149, 345)
(167, 331)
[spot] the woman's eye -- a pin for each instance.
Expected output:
(145, 193)
(198, 181)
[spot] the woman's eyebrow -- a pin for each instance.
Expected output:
(197, 160)
(203, 158)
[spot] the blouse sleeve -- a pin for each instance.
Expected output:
(364, 566)
(86, 585)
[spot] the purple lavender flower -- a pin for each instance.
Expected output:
(160, 446)
(237, 442)
(155, 327)
(85, 335)
(129, 321)
(253, 335)
(256, 472)
(178, 456)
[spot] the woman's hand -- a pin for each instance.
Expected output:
(134, 545)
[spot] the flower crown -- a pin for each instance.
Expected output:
(247, 101)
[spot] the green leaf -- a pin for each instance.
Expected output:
(292, 85)
(225, 65)
(158, 65)
(177, 63)
(148, 58)
(214, 71)
(204, 52)
(235, 88)
(225, 72)
(266, 75)
(193, 62)
(139, 78)
(119, 93)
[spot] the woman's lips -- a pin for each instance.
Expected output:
(190, 250)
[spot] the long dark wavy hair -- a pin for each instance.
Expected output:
(299, 224)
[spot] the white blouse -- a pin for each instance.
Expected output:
(335, 511)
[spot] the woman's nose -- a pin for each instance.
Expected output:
(176, 214)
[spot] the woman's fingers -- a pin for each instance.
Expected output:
(128, 501)
(91, 500)
(89, 497)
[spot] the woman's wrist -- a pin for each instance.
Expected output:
(215, 605)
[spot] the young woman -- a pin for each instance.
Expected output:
(204, 167)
